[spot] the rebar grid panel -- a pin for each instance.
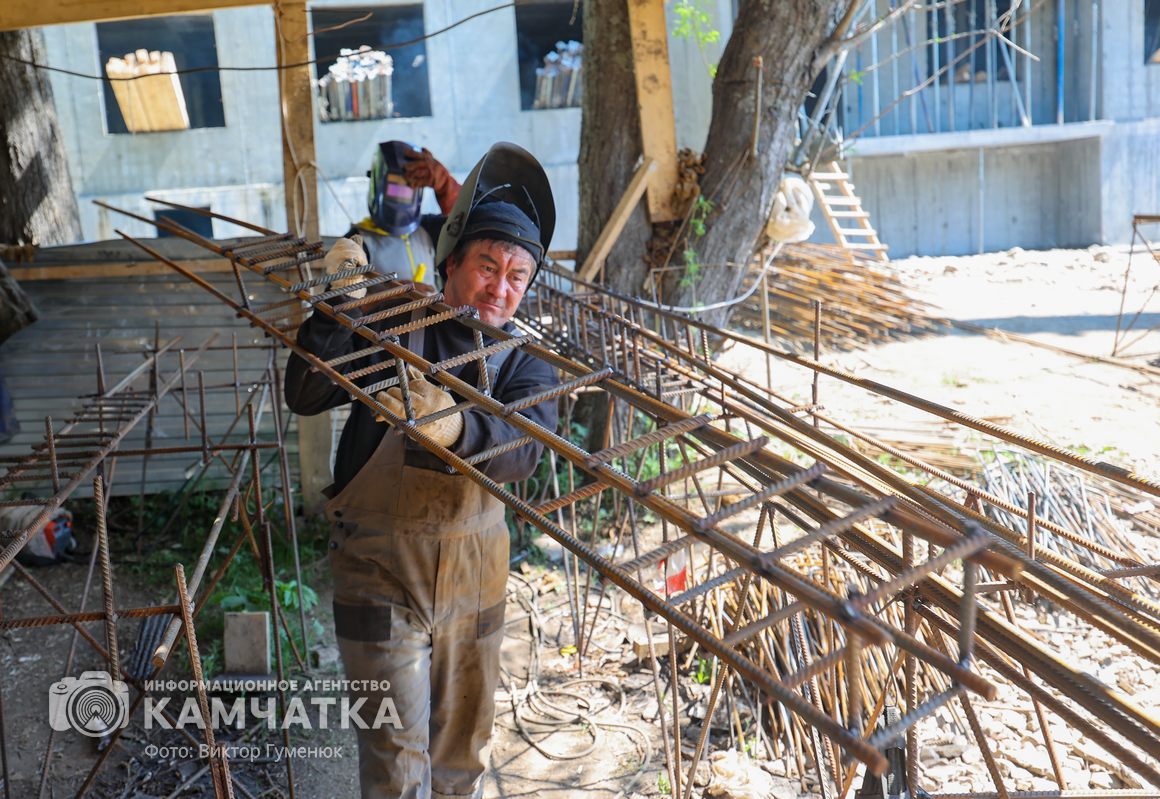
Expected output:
(93, 444)
(572, 314)
(1121, 342)
(71, 453)
(707, 453)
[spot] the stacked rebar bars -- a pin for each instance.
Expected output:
(865, 567)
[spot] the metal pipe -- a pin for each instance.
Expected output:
(1060, 50)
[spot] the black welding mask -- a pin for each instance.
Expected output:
(506, 197)
(392, 202)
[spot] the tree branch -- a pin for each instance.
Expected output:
(838, 41)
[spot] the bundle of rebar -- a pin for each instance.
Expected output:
(357, 86)
(593, 320)
(864, 302)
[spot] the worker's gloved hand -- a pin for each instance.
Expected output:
(422, 169)
(426, 398)
(346, 254)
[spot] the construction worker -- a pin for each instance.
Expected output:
(420, 556)
(395, 236)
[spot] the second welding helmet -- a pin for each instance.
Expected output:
(508, 197)
(392, 202)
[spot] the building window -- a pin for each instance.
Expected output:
(1152, 31)
(959, 27)
(191, 40)
(549, 35)
(191, 220)
(375, 27)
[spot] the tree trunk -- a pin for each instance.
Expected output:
(37, 204)
(610, 142)
(787, 34)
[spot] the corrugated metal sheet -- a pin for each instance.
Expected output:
(49, 365)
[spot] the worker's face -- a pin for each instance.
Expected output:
(492, 277)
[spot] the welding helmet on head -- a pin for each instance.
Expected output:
(392, 202)
(506, 197)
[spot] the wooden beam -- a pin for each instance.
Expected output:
(296, 92)
(112, 269)
(16, 14)
(611, 232)
(654, 99)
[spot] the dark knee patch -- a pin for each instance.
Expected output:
(490, 620)
(362, 622)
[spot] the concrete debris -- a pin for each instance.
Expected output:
(735, 776)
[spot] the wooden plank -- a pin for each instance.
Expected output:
(616, 222)
(296, 88)
(654, 98)
(16, 14)
(114, 269)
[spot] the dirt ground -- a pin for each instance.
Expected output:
(603, 742)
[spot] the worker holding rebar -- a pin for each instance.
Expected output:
(419, 555)
(396, 236)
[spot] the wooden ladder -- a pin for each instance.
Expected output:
(844, 213)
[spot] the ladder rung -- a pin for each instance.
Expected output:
(300, 260)
(657, 555)
(370, 370)
(857, 231)
(831, 200)
(352, 356)
(739, 450)
(323, 279)
(400, 310)
(849, 215)
(764, 495)
(653, 437)
(816, 176)
(485, 352)
(382, 385)
(499, 449)
(554, 392)
(582, 493)
(698, 590)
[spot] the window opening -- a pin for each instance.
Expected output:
(190, 38)
(550, 54)
(370, 83)
(1152, 31)
(198, 223)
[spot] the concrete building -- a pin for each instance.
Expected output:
(1032, 139)
(456, 93)
(1035, 139)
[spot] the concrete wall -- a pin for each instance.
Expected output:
(692, 76)
(1130, 88)
(237, 170)
(1033, 196)
(1130, 177)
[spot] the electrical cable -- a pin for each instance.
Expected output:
(533, 704)
(331, 57)
(690, 309)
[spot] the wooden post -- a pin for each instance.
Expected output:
(654, 99)
(296, 95)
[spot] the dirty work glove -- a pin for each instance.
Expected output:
(426, 398)
(423, 170)
(347, 254)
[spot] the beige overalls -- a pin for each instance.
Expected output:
(420, 560)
